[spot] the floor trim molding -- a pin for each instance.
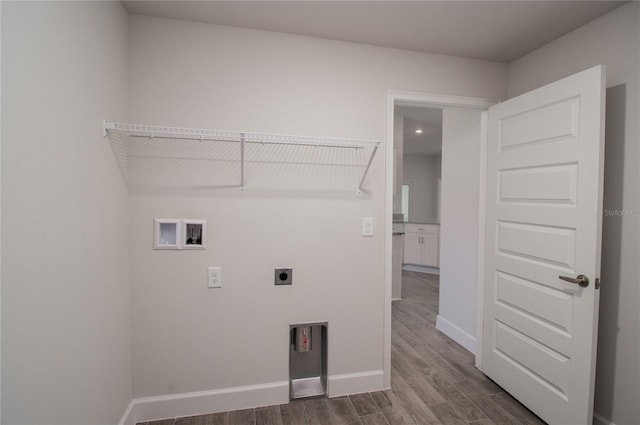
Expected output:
(355, 383)
(127, 417)
(212, 401)
(454, 332)
(202, 402)
(421, 269)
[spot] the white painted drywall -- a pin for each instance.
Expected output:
(189, 338)
(398, 152)
(423, 173)
(66, 329)
(459, 225)
(614, 41)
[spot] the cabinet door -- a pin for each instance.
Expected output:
(430, 250)
(413, 248)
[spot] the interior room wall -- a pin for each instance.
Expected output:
(190, 338)
(438, 177)
(612, 40)
(459, 227)
(422, 172)
(66, 328)
(398, 163)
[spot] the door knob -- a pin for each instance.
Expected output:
(581, 280)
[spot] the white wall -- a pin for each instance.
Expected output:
(614, 41)
(66, 352)
(188, 338)
(423, 172)
(398, 163)
(459, 225)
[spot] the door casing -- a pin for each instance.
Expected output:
(404, 98)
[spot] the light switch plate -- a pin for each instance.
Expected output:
(215, 277)
(367, 226)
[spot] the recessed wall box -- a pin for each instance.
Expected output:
(307, 360)
(167, 233)
(194, 234)
(283, 276)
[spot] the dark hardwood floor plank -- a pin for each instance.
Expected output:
(462, 404)
(374, 419)
(293, 413)
(391, 408)
(447, 415)
(411, 401)
(491, 408)
(234, 417)
(270, 415)
(331, 411)
(364, 404)
(517, 410)
(416, 380)
(162, 422)
(190, 420)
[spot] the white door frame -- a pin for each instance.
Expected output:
(405, 98)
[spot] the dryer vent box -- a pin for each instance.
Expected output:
(283, 276)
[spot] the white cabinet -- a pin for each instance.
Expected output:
(421, 244)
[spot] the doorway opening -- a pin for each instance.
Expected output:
(415, 100)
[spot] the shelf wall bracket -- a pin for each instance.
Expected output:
(242, 161)
(364, 176)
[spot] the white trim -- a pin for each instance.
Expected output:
(482, 190)
(127, 416)
(405, 98)
(203, 402)
(355, 383)
(388, 244)
(456, 333)
(598, 419)
(0, 201)
(421, 269)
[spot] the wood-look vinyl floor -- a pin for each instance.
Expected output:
(433, 380)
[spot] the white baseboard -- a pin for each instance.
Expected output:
(127, 417)
(421, 269)
(460, 336)
(202, 402)
(598, 419)
(355, 383)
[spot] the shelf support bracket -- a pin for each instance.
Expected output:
(241, 161)
(106, 125)
(364, 176)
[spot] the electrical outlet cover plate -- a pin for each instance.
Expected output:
(214, 277)
(283, 276)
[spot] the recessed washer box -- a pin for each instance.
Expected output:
(283, 276)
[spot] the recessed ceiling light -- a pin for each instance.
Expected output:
(419, 131)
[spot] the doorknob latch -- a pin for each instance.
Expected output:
(581, 280)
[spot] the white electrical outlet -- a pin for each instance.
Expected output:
(215, 277)
(367, 226)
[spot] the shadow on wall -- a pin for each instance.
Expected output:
(611, 247)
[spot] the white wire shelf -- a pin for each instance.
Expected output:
(174, 156)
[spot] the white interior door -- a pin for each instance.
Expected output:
(543, 221)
